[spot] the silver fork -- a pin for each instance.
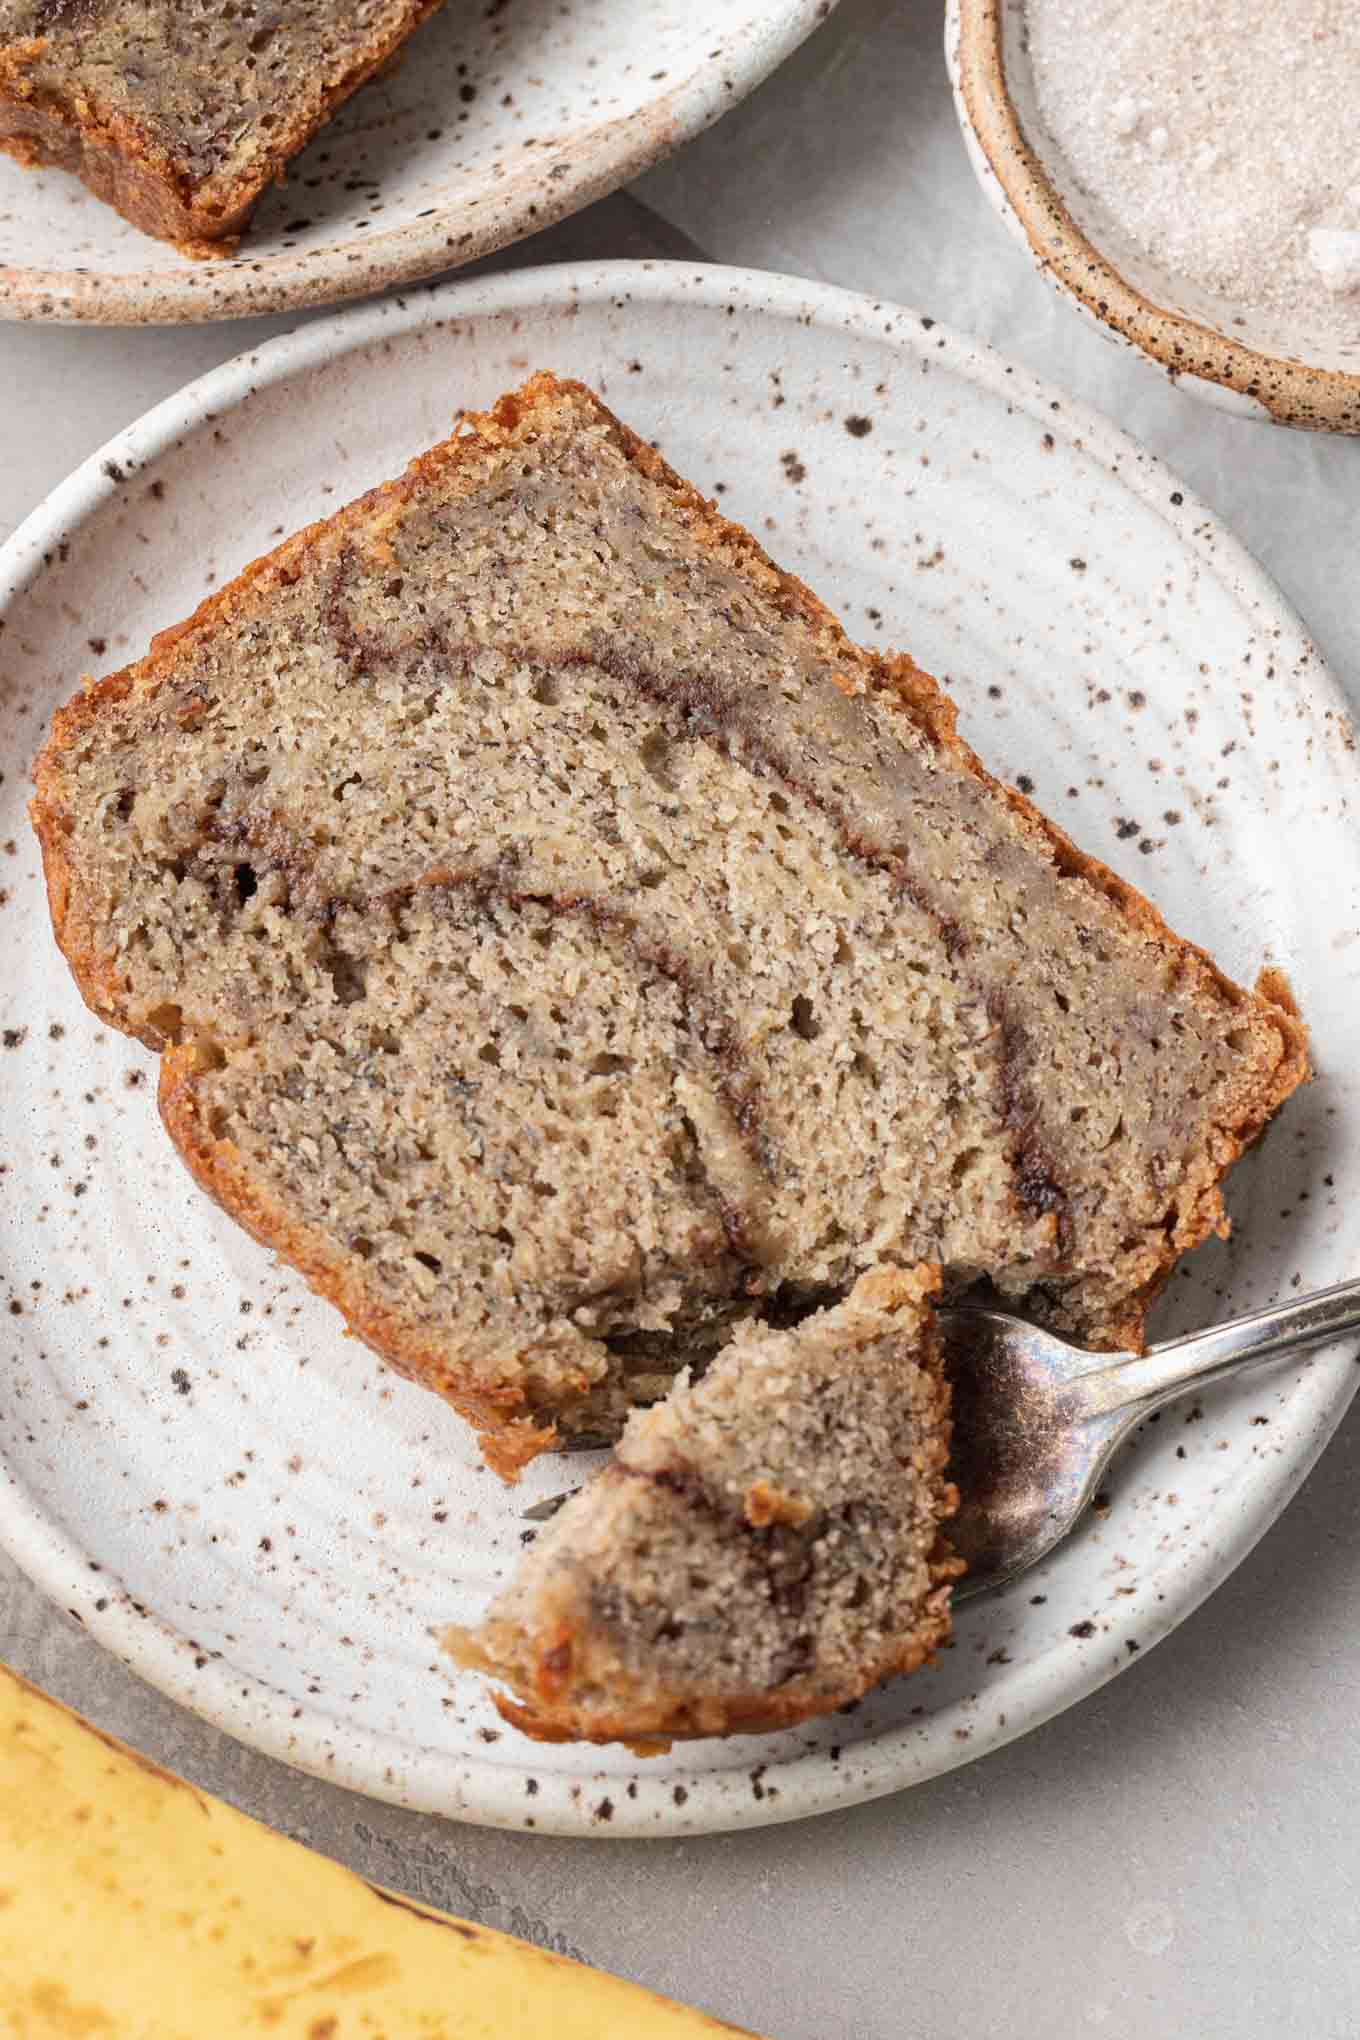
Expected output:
(1036, 1421)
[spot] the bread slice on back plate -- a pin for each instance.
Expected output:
(762, 1547)
(565, 945)
(180, 113)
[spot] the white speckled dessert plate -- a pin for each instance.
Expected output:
(497, 121)
(237, 1499)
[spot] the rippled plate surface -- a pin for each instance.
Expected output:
(497, 121)
(236, 1498)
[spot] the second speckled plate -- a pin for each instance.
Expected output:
(496, 121)
(240, 1501)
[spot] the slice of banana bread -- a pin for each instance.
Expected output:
(762, 1547)
(180, 112)
(567, 943)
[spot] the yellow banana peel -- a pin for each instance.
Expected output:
(135, 1907)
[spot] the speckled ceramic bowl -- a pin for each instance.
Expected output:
(497, 121)
(1204, 344)
(236, 1497)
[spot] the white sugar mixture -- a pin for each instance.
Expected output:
(1223, 138)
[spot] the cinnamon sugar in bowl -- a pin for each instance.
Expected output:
(1188, 177)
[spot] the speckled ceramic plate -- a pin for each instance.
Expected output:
(497, 121)
(238, 1500)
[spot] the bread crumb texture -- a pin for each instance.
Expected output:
(574, 954)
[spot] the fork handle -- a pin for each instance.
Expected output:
(1168, 1370)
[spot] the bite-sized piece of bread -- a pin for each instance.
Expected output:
(180, 112)
(568, 943)
(764, 1546)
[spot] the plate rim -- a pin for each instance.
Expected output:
(464, 1787)
(419, 249)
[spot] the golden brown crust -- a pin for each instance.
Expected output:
(113, 160)
(129, 170)
(510, 1439)
(651, 1732)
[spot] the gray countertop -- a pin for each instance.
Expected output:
(1178, 1855)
